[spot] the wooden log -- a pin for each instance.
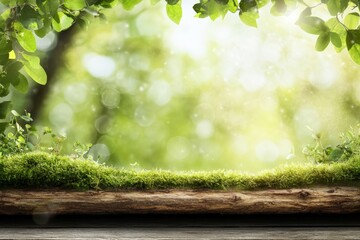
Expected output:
(289, 201)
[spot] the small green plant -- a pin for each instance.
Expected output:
(56, 141)
(19, 136)
(16, 136)
(81, 150)
(349, 146)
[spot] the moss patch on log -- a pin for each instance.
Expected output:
(39, 170)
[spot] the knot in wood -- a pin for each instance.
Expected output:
(304, 194)
(236, 198)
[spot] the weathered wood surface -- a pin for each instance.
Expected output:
(182, 233)
(315, 200)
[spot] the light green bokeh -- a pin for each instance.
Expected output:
(201, 95)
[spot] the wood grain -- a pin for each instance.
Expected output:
(291, 201)
(181, 233)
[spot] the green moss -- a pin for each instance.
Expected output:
(41, 170)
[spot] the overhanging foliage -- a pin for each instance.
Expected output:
(21, 20)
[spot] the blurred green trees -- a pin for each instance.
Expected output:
(197, 96)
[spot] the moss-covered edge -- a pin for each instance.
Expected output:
(39, 170)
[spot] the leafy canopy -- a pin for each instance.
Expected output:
(21, 20)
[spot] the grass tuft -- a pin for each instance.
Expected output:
(38, 170)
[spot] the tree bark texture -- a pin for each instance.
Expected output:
(290, 201)
(51, 63)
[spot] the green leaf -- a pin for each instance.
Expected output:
(216, 10)
(335, 39)
(249, 12)
(30, 18)
(337, 6)
(15, 113)
(3, 126)
(352, 38)
(75, 4)
(247, 5)
(312, 25)
(20, 83)
(13, 67)
(37, 73)
(41, 6)
(213, 9)
(174, 12)
(52, 6)
(5, 45)
(279, 8)
(221, 2)
(353, 45)
(6, 14)
(174, 2)
(62, 22)
(33, 68)
(249, 18)
(352, 20)
(233, 6)
(336, 27)
(4, 58)
(4, 80)
(108, 3)
(45, 29)
(14, 77)
(25, 37)
(198, 7)
(306, 12)
(4, 91)
(129, 4)
(322, 41)
(5, 2)
(48, 7)
(4, 109)
(336, 154)
(4, 85)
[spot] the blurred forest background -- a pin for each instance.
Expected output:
(201, 95)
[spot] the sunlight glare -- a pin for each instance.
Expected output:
(204, 129)
(267, 151)
(61, 115)
(178, 148)
(160, 92)
(99, 66)
(253, 81)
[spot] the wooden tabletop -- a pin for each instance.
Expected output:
(182, 233)
(181, 227)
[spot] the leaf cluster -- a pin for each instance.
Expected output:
(341, 29)
(18, 135)
(21, 21)
(14, 137)
(349, 147)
